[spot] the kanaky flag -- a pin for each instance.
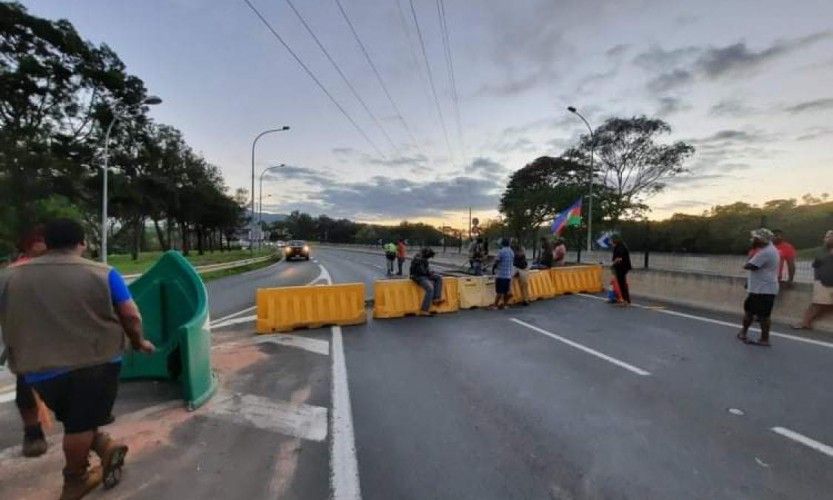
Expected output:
(569, 217)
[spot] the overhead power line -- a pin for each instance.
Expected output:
(378, 76)
(449, 62)
(431, 80)
(314, 78)
(343, 76)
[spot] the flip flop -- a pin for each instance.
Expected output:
(743, 338)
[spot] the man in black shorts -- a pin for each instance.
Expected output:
(762, 286)
(64, 320)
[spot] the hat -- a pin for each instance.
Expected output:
(762, 234)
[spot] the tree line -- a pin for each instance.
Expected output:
(58, 95)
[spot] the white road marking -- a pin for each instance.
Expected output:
(344, 473)
(6, 397)
(821, 343)
(296, 420)
(238, 313)
(317, 346)
(736, 411)
(801, 438)
(324, 275)
(593, 352)
(234, 321)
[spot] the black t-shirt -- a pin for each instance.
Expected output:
(520, 259)
(621, 251)
(823, 267)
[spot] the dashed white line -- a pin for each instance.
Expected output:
(593, 352)
(235, 321)
(344, 474)
(722, 323)
(232, 315)
(806, 441)
(296, 420)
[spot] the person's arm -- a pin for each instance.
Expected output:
(131, 321)
(751, 267)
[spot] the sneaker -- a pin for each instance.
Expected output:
(112, 455)
(77, 485)
(34, 442)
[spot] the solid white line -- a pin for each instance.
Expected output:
(801, 438)
(238, 313)
(9, 396)
(235, 321)
(593, 352)
(722, 323)
(344, 474)
(317, 346)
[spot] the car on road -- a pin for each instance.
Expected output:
(280, 244)
(296, 249)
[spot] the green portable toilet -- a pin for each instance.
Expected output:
(174, 306)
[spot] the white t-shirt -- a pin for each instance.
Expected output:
(764, 280)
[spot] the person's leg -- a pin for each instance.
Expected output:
(765, 326)
(748, 317)
(400, 261)
(429, 294)
(34, 442)
(437, 282)
(622, 281)
(810, 314)
(523, 276)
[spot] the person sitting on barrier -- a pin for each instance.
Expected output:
(390, 256)
(401, 254)
(476, 255)
(521, 272)
(431, 282)
(64, 321)
(503, 269)
(559, 253)
(545, 258)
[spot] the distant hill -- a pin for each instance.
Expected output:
(271, 218)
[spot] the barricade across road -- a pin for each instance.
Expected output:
(476, 291)
(291, 307)
(398, 298)
(576, 279)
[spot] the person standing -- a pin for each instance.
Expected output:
(431, 282)
(32, 245)
(64, 320)
(503, 269)
(545, 258)
(521, 272)
(787, 255)
(559, 253)
(761, 286)
(822, 300)
(390, 256)
(476, 255)
(401, 254)
(621, 267)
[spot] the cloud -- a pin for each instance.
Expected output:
(485, 166)
(658, 59)
(670, 80)
(671, 105)
(731, 108)
(730, 135)
(736, 58)
(683, 204)
(344, 151)
(414, 161)
(815, 133)
(514, 86)
(617, 50)
(814, 105)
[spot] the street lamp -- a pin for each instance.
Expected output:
(573, 110)
(260, 218)
(254, 143)
(147, 101)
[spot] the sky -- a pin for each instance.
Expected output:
(748, 83)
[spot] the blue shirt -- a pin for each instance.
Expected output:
(119, 294)
(506, 259)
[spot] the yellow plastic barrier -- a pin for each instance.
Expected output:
(540, 287)
(576, 279)
(287, 308)
(476, 291)
(398, 298)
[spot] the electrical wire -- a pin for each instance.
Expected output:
(455, 97)
(314, 78)
(343, 76)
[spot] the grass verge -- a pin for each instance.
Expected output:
(223, 273)
(125, 265)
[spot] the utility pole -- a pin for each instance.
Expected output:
(469, 223)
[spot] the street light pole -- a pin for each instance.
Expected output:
(150, 100)
(260, 202)
(573, 110)
(254, 143)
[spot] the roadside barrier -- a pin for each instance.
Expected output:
(398, 298)
(576, 279)
(540, 287)
(288, 308)
(476, 291)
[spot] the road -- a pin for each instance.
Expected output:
(568, 398)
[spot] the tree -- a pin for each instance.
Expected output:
(631, 162)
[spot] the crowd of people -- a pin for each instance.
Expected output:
(64, 321)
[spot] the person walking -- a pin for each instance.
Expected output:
(621, 267)
(822, 300)
(559, 253)
(401, 254)
(390, 256)
(64, 320)
(32, 245)
(761, 286)
(521, 272)
(476, 255)
(787, 255)
(503, 269)
(431, 282)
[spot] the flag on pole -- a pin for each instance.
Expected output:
(604, 240)
(569, 217)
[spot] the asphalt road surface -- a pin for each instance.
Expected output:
(568, 398)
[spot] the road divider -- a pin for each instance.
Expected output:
(398, 298)
(476, 291)
(292, 307)
(576, 279)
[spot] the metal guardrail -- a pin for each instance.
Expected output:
(216, 267)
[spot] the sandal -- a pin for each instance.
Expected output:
(743, 338)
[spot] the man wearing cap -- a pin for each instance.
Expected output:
(761, 286)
